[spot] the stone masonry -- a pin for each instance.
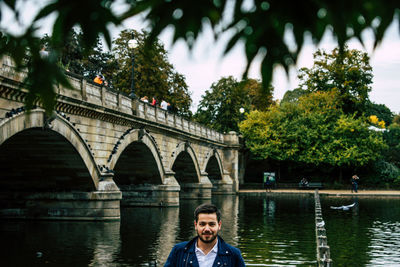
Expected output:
(99, 150)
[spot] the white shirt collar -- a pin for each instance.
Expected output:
(206, 260)
(214, 249)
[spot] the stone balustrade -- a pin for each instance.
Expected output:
(105, 97)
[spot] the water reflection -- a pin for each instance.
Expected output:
(385, 238)
(55, 243)
(277, 231)
(147, 234)
(269, 230)
(365, 235)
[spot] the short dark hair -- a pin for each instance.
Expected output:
(208, 209)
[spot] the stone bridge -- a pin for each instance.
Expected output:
(99, 150)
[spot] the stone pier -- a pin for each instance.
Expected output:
(99, 149)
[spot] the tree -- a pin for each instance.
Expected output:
(262, 27)
(392, 139)
(313, 131)
(78, 59)
(396, 119)
(348, 73)
(154, 75)
(292, 96)
(381, 111)
(260, 99)
(220, 107)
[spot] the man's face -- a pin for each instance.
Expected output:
(207, 227)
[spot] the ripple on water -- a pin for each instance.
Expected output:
(385, 244)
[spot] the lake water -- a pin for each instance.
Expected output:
(270, 231)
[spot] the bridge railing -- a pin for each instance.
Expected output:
(87, 91)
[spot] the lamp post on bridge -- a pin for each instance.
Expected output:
(132, 44)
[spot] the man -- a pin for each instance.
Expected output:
(354, 183)
(207, 249)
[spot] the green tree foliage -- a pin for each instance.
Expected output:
(220, 107)
(349, 73)
(292, 96)
(396, 119)
(43, 73)
(154, 75)
(78, 59)
(392, 139)
(313, 131)
(381, 111)
(262, 26)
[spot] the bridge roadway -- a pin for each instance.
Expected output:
(100, 150)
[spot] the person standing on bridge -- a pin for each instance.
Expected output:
(208, 249)
(154, 101)
(164, 105)
(99, 79)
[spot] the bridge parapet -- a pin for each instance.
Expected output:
(146, 148)
(87, 91)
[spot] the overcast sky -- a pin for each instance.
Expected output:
(205, 64)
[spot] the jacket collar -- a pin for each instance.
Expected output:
(223, 249)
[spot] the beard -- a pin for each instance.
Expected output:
(209, 238)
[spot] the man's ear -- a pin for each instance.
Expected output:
(195, 224)
(219, 225)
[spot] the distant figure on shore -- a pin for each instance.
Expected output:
(304, 182)
(145, 99)
(354, 183)
(269, 183)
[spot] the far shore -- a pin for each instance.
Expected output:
(331, 192)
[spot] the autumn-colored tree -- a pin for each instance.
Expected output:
(223, 106)
(313, 131)
(381, 111)
(153, 74)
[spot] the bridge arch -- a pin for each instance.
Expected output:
(185, 164)
(58, 135)
(137, 147)
(213, 166)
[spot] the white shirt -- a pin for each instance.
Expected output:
(206, 260)
(164, 105)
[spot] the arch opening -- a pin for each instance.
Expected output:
(184, 168)
(213, 170)
(136, 166)
(38, 160)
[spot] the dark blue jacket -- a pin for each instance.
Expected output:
(184, 255)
